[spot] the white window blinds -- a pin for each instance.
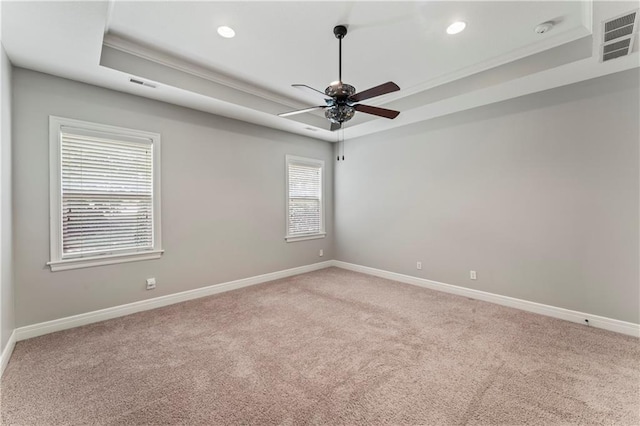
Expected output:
(305, 204)
(107, 193)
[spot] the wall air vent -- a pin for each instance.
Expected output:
(142, 83)
(618, 35)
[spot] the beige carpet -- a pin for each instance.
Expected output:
(328, 347)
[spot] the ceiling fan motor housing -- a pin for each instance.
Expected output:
(340, 90)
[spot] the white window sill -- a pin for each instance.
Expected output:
(294, 238)
(88, 262)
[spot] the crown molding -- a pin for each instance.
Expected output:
(570, 73)
(550, 43)
(136, 49)
(125, 45)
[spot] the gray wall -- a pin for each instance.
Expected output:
(538, 194)
(6, 245)
(223, 200)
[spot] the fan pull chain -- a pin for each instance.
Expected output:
(340, 132)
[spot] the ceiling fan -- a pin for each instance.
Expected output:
(342, 100)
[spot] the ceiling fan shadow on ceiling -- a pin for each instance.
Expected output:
(341, 99)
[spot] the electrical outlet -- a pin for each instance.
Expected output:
(151, 283)
(321, 253)
(418, 265)
(472, 275)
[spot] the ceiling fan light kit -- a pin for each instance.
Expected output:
(341, 98)
(339, 113)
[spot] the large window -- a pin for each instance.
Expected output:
(105, 194)
(305, 204)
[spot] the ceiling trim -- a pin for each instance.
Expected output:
(127, 46)
(570, 73)
(515, 55)
(140, 50)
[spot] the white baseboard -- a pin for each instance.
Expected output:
(7, 351)
(47, 327)
(623, 327)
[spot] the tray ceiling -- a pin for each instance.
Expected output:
(174, 46)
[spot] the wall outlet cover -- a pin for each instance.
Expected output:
(151, 283)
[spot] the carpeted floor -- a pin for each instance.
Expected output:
(328, 347)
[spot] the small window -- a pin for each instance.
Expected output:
(105, 194)
(305, 204)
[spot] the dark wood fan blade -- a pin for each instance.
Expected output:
(301, 111)
(335, 126)
(310, 89)
(382, 89)
(382, 112)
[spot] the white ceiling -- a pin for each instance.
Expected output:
(174, 45)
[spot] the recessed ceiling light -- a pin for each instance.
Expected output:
(456, 27)
(226, 32)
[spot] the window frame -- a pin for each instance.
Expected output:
(292, 159)
(57, 263)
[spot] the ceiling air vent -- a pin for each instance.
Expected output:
(618, 35)
(619, 27)
(617, 49)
